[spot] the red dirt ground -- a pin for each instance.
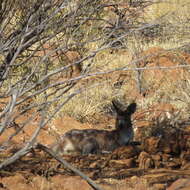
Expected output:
(157, 163)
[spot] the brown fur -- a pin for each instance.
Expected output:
(94, 141)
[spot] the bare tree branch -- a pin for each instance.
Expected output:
(69, 166)
(34, 40)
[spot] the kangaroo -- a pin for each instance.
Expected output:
(95, 141)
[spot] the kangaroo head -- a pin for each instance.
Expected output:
(123, 119)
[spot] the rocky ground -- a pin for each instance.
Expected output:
(162, 161)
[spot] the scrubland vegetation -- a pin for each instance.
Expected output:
(159, 37)
(72, 58)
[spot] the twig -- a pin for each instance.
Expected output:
(69, 166)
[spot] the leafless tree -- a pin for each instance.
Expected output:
(41, 41)
(35, 40)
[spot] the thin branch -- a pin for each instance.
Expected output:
(69, 166)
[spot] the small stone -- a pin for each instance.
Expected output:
(159, 186)
(180, 184)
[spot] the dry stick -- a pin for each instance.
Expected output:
(69, 166)
(22, 152)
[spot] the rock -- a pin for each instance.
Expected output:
(157, 142)
(185, 141)
(185, 159)
(159, 177)
(173, 163)
(126, 163)
(69, 183)
(145, 161)
(98, 164)
(180, 184)
(93, 165)
(39, 182)
(137, 183)
(185, 166)
(17, 182)
(125, 152)
(156, 157)
(157, 160)
(166, 157)
(159, 186)
(151, 144)
(170, 140)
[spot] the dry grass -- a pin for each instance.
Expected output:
(168, 86)
(101, 90)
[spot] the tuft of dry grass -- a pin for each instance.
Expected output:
(159, 86)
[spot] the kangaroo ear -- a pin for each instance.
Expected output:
(118, 110)
(131, 108)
